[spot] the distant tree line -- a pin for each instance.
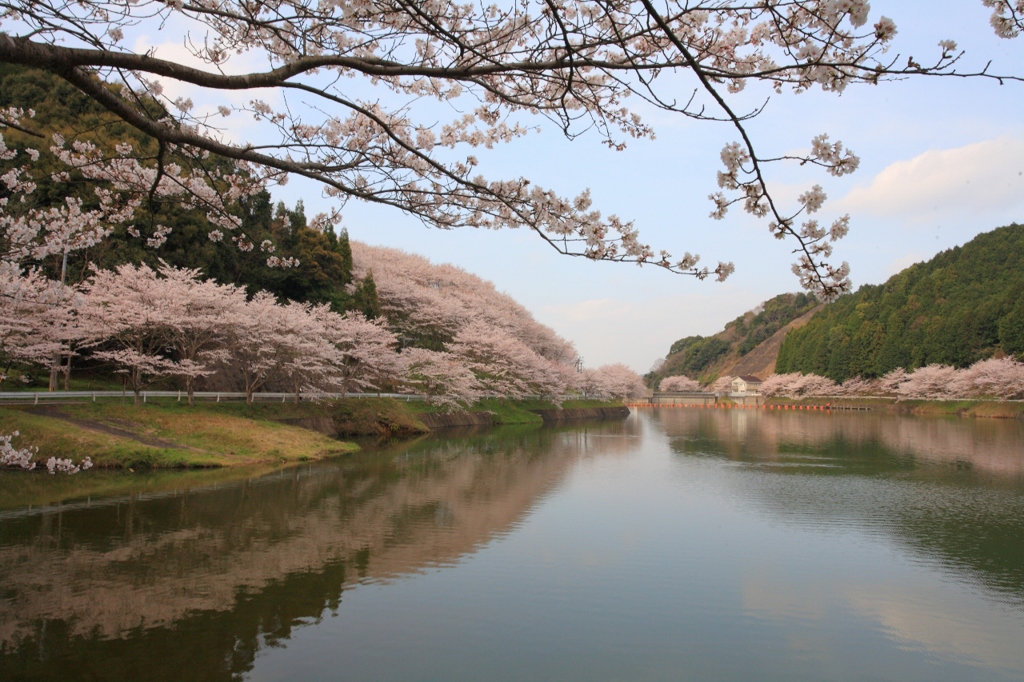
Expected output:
(964, 305)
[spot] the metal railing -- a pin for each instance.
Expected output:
(42, 397)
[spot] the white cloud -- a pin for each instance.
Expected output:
(983, 177)
(237, 128)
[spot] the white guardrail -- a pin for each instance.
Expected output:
(40, 397)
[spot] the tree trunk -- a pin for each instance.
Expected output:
(136, 385)
(67, 374)
(54, 368)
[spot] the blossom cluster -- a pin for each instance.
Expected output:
(574, 63)
(679, 384)
(992, 379)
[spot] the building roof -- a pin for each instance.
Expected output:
(750, 379)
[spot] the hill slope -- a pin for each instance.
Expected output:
(747, 345)
(761, 360)
(965, 304)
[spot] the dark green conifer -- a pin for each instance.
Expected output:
(365, 300)
(344, 249)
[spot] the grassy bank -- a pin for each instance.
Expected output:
(166, 435)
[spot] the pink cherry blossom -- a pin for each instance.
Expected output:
(678, 384)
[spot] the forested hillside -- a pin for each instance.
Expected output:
(707, 357)
(964, 305)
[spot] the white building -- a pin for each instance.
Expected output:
(747, 383)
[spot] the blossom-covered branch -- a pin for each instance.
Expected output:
(491, 66)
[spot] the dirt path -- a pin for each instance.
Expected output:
(54, 413)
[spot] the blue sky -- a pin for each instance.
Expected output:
(941, 161)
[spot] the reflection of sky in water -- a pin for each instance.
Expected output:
(656, 566)
(682, 544)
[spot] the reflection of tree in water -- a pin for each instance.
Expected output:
(201, 645)
(191, 585)
(987, 446)
(952, 489)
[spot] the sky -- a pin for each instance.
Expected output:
(942, 160)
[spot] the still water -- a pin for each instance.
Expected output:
(674, 545)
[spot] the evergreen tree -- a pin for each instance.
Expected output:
(342, 247)
(962, 306)
(365, 300)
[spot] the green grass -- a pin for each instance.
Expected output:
(167, 435)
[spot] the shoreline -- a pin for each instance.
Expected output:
(168, 435)
(987, 409)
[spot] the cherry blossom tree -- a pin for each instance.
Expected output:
(309, 359)
(679, 384)
(442, 307)
(797, 385)
(505, 366)
(36, 317)
(429, 304)
(813, 385)
(122, 317)
(995, 378)
(1001, 378)
(724, 384)
(193, 313)
(778, 384)
(890, 383)
(855, 386)
(366, 352)
(440, 376)
(615, 381)
(258, 339)
(31, 231)
(933, 382)
(573, 63)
